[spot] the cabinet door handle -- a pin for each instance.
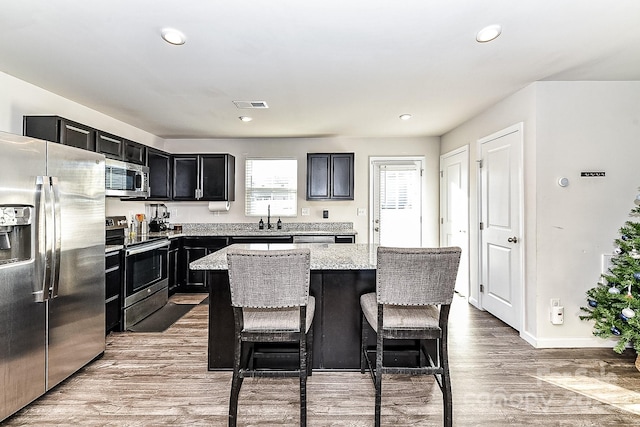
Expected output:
(513, 239)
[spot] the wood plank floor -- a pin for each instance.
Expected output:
(156, 379)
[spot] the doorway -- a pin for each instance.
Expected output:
(396, 201)
(454, 210)
(501, 215)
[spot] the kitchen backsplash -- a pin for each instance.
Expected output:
(292, 226)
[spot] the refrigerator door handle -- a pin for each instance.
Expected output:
(41, 262)
(49, 237)
(56, 237)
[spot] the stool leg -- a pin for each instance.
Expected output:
(364, 337)
(447, 399)
(236, 382)
(378, 377)
(303, 380)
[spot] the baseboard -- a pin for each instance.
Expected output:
(593, 342)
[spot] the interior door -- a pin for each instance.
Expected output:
(501, 219)
(454, 210)
(396, 202)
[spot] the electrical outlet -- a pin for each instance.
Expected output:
(305, 211)
(362, 212)
(555, 302)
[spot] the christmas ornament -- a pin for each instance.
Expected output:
(593, 303)
(628, 313)
(636, 276)
(623, 317)
(615, 331)
(634, 254)
(617, 251)
(614, 290)
(624, 237)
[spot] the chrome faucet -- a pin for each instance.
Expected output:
(269, 226)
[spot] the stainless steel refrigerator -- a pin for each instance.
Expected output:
(51, 266)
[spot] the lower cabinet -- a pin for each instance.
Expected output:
(113, 290)
(193, 249)
(174, 267)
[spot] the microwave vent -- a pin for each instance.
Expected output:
(250, 104)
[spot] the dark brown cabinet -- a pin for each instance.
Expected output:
(206, 177)
(58, 129)
(134, 152)
(330, 176)
(111, 146)
(173, 264)
(159, 164)
(113, 289)
(193, 249)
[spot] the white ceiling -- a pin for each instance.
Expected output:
(324, 67)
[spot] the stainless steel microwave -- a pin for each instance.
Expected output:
(125, 179)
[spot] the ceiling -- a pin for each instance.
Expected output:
(324, 67)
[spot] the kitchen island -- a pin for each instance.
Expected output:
(340, 273)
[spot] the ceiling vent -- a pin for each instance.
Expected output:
(251, 104)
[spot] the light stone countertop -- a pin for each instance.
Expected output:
(324, 256)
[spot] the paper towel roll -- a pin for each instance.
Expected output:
(219, 206)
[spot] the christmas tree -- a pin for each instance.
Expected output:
(614, 304)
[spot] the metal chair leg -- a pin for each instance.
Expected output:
(236, 382)
(303, 380)
(364, 337)
(378, 377)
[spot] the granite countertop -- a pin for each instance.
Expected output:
(324, 256)
(251, 230)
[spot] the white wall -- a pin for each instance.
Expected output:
(569, 127)
(339, 211)
(19, 98)
(582, 126)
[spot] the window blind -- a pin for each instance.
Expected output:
(271, 183)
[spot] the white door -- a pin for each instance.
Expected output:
(501, 225)
(454, 210)
(396, 202)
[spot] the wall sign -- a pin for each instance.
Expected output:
(592, 174)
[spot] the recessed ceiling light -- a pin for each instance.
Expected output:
(405, 116)
(488, 33)
(173, 36)
(245, 118)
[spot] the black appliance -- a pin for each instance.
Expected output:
(145, 271)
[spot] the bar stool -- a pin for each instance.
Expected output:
(271, 304)
(410, 285)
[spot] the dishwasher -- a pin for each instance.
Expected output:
(314, 239)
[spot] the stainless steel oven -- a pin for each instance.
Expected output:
(146, 283)
(145, 279)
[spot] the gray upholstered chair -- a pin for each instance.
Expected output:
(414, 290)
(271, 304)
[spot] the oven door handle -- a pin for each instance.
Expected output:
(147, 247)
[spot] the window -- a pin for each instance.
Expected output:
(271, 183)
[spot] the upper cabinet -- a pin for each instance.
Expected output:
(134, 152)
(159, 164)
(206, 177)
(330, 176)
(110, 145)
(58, 129)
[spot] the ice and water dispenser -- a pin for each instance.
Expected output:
(15, 233)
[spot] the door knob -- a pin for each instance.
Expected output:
(513, 239)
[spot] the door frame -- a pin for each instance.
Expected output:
(466, 258)
(372, 161)
(518, 127)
